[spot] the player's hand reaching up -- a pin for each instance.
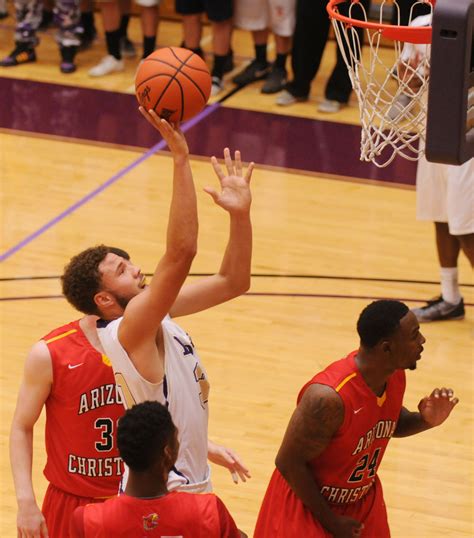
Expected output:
(436, 408)
(171, 133)
(235, 196)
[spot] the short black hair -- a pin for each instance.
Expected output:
(380, 320)
(143, 432)
(81, 279)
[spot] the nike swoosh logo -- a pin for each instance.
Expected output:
(357, 410)
(72, 366)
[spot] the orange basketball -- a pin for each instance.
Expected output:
(174, 82)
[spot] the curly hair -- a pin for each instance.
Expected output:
(81, 279)
(143, 432)
(380, 320)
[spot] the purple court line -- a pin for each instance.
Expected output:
(160, 145)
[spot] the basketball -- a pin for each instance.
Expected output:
(174, 82)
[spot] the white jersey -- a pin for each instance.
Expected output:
(184, 390)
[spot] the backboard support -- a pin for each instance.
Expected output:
(450, 115)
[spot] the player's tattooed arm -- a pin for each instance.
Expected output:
(315, 421)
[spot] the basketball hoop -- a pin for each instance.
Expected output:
(390, 81)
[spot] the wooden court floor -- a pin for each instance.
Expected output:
(323, 249)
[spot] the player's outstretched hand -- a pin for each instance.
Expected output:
(31, 523)
(172, 134)
(436, 408)
(220, 455)
(235, 195)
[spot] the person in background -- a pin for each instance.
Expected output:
(259, 17)
(219, 13)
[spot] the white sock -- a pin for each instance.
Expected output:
(449, 285)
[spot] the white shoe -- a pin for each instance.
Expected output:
(285, 98)
(217, 86)
(329, 106)
(108, 64)
(397, 110)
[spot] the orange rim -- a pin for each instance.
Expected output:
(408, 34)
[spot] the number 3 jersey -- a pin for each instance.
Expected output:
(82, 411)
(346, 469)
(184, 390)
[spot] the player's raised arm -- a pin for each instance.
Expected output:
(233, 277)
(34, 390)
(145, 311)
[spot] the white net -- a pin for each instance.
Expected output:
(390, 79)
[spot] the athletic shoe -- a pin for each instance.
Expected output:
(286, 99)
(127, 48)
(67, 59)
(217, 86)
(21, 54)
(329, 106)
(67, 67)
(108, 64)
(439, 310)
(398, 107)
(254, 71)
(275, 80)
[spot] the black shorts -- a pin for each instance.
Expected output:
(216, 10)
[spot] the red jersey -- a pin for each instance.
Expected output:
(179, 514)
(82, 410)
(346, 469)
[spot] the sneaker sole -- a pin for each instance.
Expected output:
(455, 318)
(19, 63)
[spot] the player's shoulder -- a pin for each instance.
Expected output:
(62, 332)
(39, 353)
(38, 364)
(335, 375)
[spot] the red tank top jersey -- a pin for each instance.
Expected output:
(346, 470)
(176, 514)
(82, 410)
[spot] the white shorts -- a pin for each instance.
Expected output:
(147, 3)
(445, 193)
(277, 15)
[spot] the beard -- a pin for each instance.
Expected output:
(122, 300)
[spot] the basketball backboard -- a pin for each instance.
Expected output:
(450, 117)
